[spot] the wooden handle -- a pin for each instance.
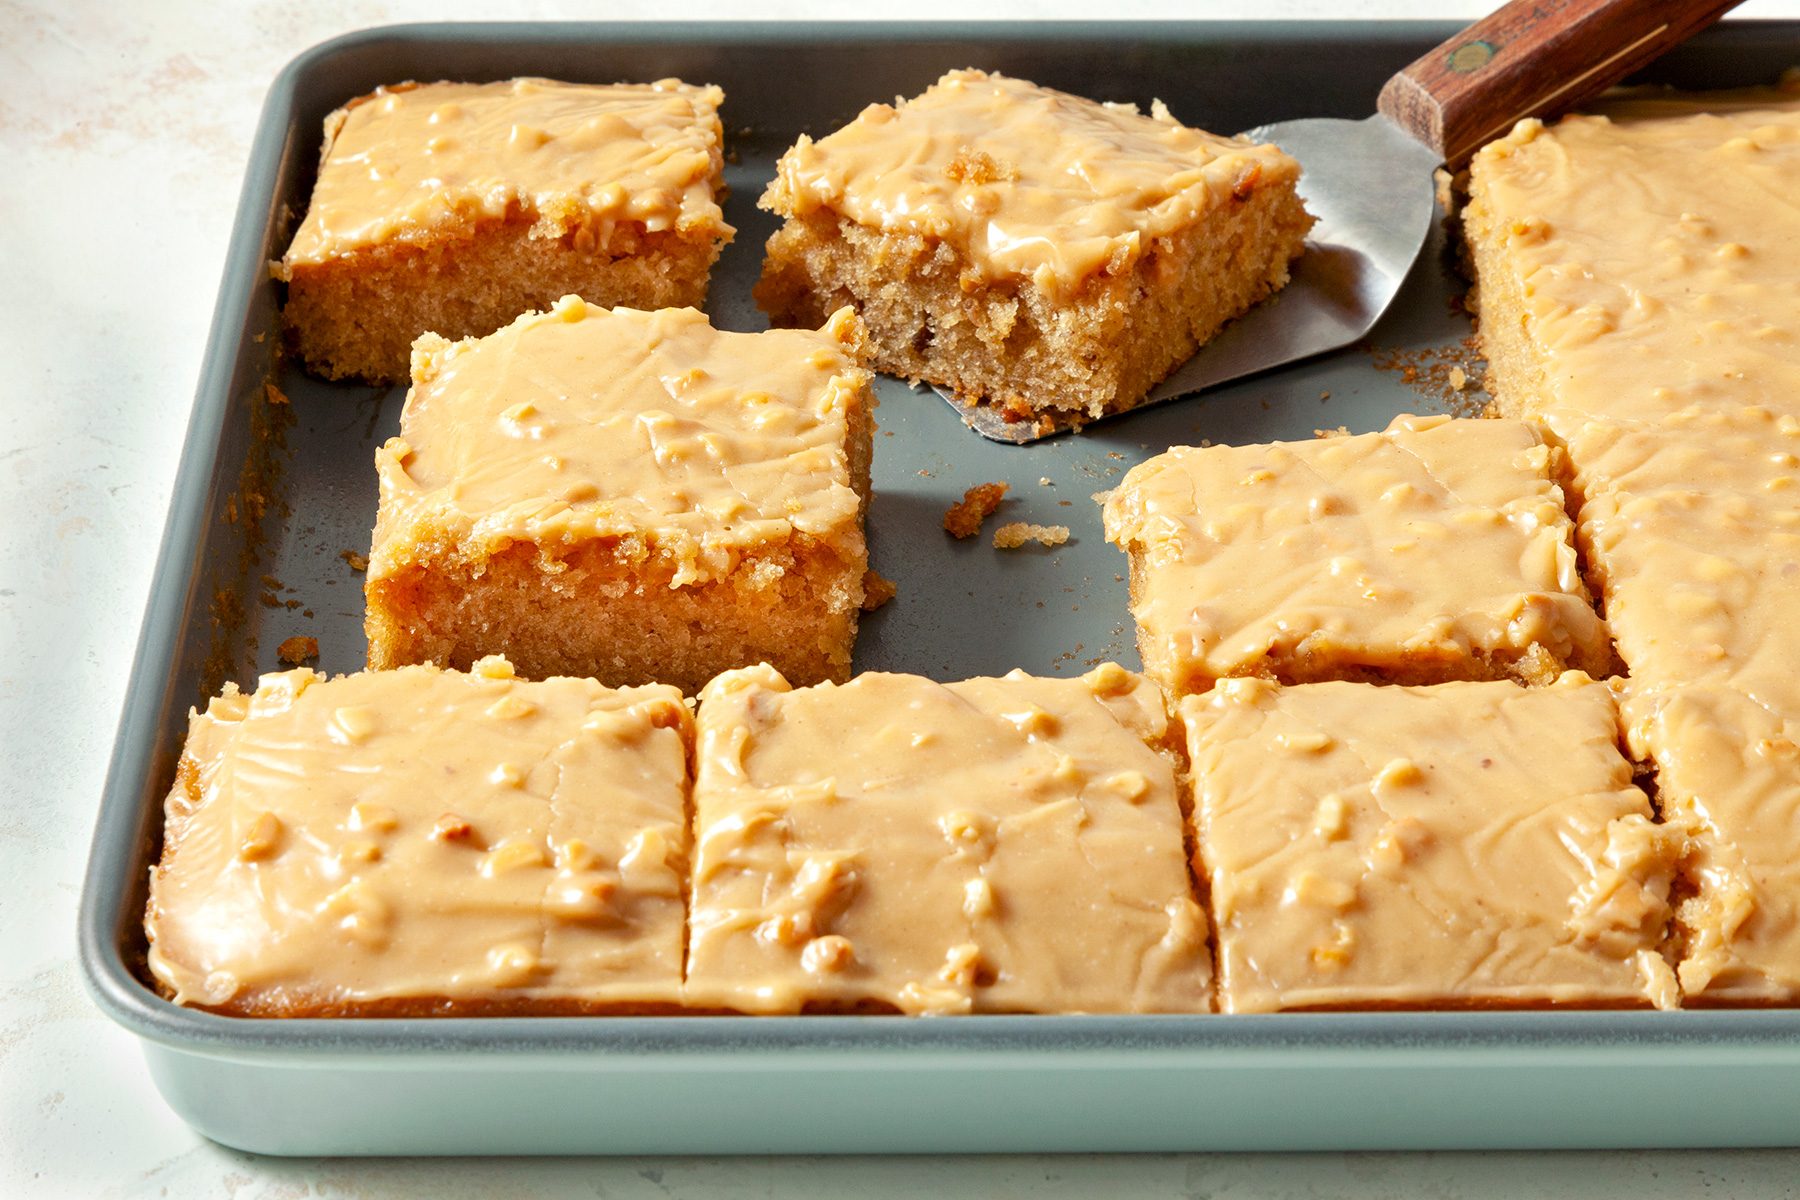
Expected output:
(1533, 58)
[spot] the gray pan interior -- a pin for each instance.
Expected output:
(231, 585)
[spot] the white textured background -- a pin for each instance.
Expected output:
(123, 134)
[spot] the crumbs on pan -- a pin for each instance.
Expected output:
(963, 519)
(297, 650)
(877, 590)
(1455, 375)
(1015, 534)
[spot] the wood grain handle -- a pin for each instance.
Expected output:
(1533, 58)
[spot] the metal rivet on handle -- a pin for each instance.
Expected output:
(1471, 56)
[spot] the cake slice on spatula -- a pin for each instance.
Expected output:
(1046, 261)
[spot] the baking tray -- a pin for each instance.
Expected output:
(268, 497)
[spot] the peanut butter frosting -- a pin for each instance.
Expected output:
(1429, 550)
(1024, 181)
(420, 841)
(1692, 528)
(1010, 844)
(415, 159)
(1466, 844)
(1728, 776)
(1651, 249)
(651, 429)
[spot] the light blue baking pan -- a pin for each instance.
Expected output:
(266, 501)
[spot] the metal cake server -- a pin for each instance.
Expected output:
(1370, 182)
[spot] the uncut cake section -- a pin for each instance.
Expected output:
(1656, 337)
(630, 496)
(451, 208)
(420, 842)
(1435, 550)
(1027, 249)
(894, 844)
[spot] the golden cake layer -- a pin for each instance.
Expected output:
(627, 495)
(420, 842)
(991, 845)
(1462, 845)
(1438, 549)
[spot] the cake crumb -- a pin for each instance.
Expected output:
(963, 519)
(1340, 431)
(877, 590)
(273, 394)
(1324, 395)
(1017, 533)
(358, 562)
(1452, 375)
(451, 828)
(977, 167)
(297, 650)
(1045, 481)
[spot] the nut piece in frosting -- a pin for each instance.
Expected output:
(696, 505)
(306, 873)
(1464, 845)
(895, 844)
(453, 207)
(1436, 550)
(1025, 248)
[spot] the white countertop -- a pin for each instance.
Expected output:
(124, 130)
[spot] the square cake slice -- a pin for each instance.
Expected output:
(630, 496)
(451, 208)
(1728, 776)
(424, 843)
(894, 844)
(1436, 550)
(1690, 528)
(1677, 292)
(1655, 336)
(1462, 845)
(1028, 249)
